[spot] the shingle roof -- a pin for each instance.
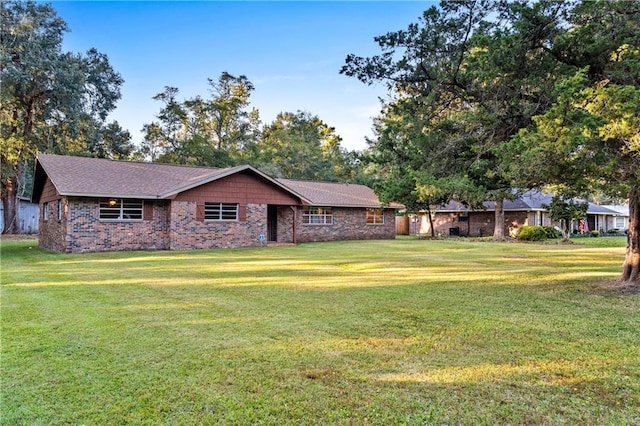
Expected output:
(621, 210)
(92, 177)
(598, 209)
(334, 194)
(529, 200)
(80, 176)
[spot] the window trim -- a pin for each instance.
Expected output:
(317, 216)
(45, 211)
(221, 212)
(377, 216)
(60, 209)
(117, 205)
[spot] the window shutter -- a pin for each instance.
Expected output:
(200, 211)
(148, 210)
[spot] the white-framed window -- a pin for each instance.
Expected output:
(220, 211)
(620, 222)
(120, 209)
(317, 216)
(45, 211)
(375, 217)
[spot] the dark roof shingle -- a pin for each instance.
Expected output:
(334, 194)
(82, 176)
(93, 177)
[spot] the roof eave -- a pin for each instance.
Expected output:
(352, 206)
(110, 195)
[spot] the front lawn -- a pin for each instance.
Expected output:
(366, 332)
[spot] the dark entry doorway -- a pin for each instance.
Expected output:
(272, 223)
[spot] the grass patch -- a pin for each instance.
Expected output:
(367, 332)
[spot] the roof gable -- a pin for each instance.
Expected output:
(94, 177)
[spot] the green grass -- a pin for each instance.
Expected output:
(366, 332)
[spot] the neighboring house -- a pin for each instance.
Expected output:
(89, 205)
(27, 216)
(621, 219)
(528, 209)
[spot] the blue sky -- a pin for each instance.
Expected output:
(291, 51)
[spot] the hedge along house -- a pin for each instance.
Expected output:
(89, 205)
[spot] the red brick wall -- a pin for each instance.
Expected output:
(285, 224)
(348, 224)
(481, 223)
(188, 233)
(85, 232)
(478, 223)
(442, 222)
(174, 225)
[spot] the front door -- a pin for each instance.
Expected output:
(272, 223)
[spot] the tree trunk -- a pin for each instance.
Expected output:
(567, 229)
(631, 267)
(10, 207)
(433, 231)
(498, 229)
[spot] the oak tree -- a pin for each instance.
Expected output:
(589, 140)
(466, 78)
(50, 100)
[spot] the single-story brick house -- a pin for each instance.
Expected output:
(528, 209)
(90, 205)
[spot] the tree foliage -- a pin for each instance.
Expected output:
(300, 146)
(499, 95)
(213, 131)
(225, 131)
(466, 78)
(565, 210)
(50, 100)
(589, 139)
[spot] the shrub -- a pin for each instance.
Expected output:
(595, 233)
(531, 233)
(552, 232)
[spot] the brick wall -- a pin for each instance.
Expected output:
(478, 223)
(173, 224)
(481, 224)
(348, 224)
(285, 224)
(85, 232)
(186, 232)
